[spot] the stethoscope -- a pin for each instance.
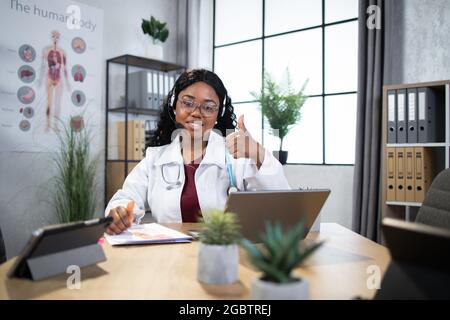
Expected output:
(228, 164)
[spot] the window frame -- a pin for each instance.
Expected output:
(323, 95)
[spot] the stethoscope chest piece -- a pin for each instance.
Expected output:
(232, 189)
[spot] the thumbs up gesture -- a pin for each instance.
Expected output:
(240, 144)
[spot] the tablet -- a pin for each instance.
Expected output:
(287, 207)
(57, 238)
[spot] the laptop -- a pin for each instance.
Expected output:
(287, 207)
(420, 266)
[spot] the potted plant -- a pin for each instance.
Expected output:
(158, 34)
(218, 259)
(281, 105)
(276, 258)
(74, 183)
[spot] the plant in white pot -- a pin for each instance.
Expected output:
(281, 105)
(218, 258)
(277, 256)
(158, 34)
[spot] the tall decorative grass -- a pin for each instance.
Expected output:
(75, 189)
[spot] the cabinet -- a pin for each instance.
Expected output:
(437, 150)
(135, 91)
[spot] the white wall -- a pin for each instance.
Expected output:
(339, 179)
(122, 25)
(25, 177)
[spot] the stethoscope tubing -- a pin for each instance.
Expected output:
(228, 165)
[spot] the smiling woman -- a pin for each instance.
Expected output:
(192, 163)
(185, 94)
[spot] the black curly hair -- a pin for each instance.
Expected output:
(166, 124)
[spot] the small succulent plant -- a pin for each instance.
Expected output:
(155, 29)
(280, 252)
(220, 228)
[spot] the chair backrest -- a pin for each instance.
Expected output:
(435, 209)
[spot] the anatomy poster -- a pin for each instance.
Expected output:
(51, 64)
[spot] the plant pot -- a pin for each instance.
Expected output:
(281, 156)
(266, 290)
(218, 264)
(154, 51)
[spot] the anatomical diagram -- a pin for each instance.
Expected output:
(54, 64)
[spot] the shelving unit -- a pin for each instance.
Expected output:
(118, 70)
(408, 210)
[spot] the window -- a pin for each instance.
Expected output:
(316, 40)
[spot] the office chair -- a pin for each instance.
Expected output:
(2, 249)
(435, 210)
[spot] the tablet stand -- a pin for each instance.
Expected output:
(56, 263)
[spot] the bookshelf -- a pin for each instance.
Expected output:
(407, 210)
(124, 103)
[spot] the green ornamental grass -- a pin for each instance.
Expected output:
(75, 194)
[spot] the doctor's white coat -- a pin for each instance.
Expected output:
(151, 189)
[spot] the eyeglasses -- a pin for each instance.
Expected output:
(207, 109)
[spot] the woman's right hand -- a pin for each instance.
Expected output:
(122, 220)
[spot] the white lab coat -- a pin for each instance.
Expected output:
(146, 186)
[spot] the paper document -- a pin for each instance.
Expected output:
(147, 233)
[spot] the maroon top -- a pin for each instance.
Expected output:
(190, 207)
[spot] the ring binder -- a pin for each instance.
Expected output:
(401, 116)
(392, 117)
(412, 115)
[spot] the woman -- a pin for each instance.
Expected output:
(190, 166)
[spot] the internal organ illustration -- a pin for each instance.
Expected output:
(28, 54)
(28, 96)
(54, 65)
(78, 75)
(78, 97)
(78, 45)
(26, 73)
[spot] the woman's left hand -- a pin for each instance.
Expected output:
(240, 144)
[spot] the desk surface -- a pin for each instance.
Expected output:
(338, 270)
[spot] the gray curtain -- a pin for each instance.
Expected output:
(367, 174)
(2, 248)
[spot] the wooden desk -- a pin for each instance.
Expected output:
(338, 270)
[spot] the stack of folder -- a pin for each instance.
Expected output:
(136, 139)
(410, 172)
(415, 116)
(147, 89)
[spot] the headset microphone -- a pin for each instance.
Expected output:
(177, 124)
